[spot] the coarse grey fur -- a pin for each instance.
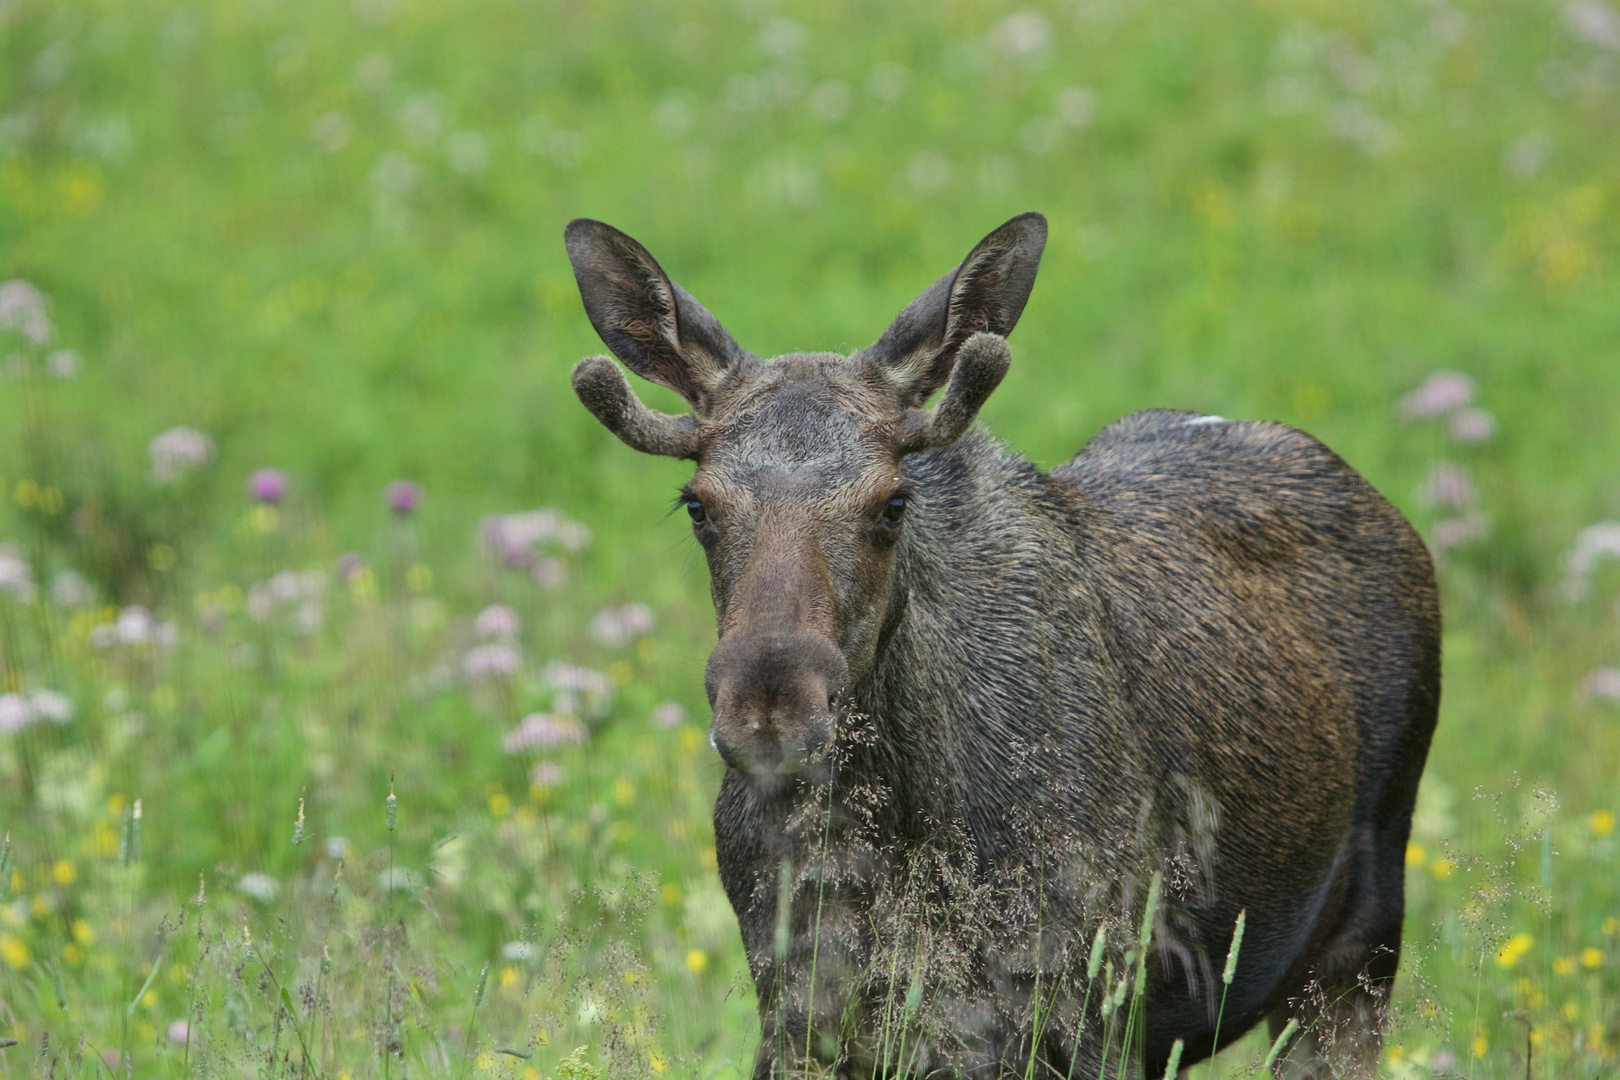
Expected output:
(970, 708)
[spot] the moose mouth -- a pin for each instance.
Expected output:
(763, 755)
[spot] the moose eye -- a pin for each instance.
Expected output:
(695, 508)
(894, 510)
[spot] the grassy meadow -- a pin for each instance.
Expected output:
(304, 774)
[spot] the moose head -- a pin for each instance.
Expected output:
(798, 499)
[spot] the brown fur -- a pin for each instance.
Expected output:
(962, 734)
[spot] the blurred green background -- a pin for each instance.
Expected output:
(328, 236)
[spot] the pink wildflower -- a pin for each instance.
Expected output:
(617, 627)
(22, 308)
(403, 496)
(578, 679)
(1440, 393)
(669, 714)
(1448, 486)
(496, 620)
(1601, 685)
(1594, 22)
(1457, 531)
(515, 536)
(269, 486)
(490, 661)
(1472, 425)
(14, 714)
(543, 729)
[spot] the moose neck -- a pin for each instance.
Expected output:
(991, 587)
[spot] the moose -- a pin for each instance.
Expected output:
(984, 726)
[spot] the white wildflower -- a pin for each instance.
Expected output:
(260, 886)
(178, 451)
(22, 308)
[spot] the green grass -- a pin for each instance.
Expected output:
(329, 236)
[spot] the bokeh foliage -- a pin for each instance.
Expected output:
(329, 236)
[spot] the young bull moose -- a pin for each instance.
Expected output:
(968, 708)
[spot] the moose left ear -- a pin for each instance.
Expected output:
(985, 294)
(650, 323)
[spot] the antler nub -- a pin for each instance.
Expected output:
(980, 366)
(604, 390)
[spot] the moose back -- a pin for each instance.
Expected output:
(977, 717)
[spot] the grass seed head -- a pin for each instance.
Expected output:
(1237, 943)
(1277, 1047)
(1095, 962)
(1174, 1062)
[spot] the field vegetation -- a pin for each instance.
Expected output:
(352, 720)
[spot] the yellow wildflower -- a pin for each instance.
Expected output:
(1591, 959)
(1415, 854)
(15, 953)
(1602, 822)
(696, 960)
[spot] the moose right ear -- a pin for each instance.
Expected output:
(651, 324)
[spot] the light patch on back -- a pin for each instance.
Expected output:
(1204, 421)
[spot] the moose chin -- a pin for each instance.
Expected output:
(1011, 754)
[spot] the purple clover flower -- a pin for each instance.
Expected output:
(403, 496)
(269, 486)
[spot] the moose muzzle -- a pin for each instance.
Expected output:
(775, 699)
